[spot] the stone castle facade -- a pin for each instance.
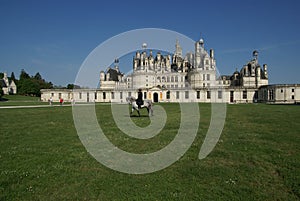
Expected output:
(8, 86)
(176, 78)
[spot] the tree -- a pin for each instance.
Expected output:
(12, 76)
(38, 76)
(28, 87)
(1, 92)
(24, 75)
(31, 85)
(73, 86)
(1, 75)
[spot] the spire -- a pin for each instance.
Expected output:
(178, 49)
(144, 46)
(201, 41)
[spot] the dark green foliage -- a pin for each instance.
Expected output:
(12, 76)
(31, 85)
(24, 75)
(72, 86)
(1, 75)
(28, 87)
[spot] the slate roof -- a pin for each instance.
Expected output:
(113, 74)
(2, 83)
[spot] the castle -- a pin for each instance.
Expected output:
(179, 78)
(8, 85)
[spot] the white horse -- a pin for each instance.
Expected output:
(147, 104)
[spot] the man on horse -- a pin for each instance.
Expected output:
(139, 100)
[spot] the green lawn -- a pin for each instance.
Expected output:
(16, 100)
(256, 158)
(13, 100)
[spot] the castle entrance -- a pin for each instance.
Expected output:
(155, 97)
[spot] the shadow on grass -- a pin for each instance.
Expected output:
(3, 99)
(137, 116)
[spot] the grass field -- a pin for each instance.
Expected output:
(13, 100)
(256, 158)
(16, 100)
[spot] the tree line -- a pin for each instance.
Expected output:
(31, 85)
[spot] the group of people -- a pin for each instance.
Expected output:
(61, 101)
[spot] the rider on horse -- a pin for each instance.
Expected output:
(139, 100)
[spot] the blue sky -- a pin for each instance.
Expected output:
(54, 37)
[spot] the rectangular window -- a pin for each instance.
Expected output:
(293, 90)
(104, 95)
(95, 95)
(256, 95)
(203, 76)
(186, 94)
(80, 95)
(121, 95)
(208, 76)
(293, 97)
(244, 94)
(198, 94)
(208, 95)
(177, 94)
(129, 93)
(145, 95)
(59, 95)
(168, 94)
(271, 95)
(112, 95)
(52, 94)
(281, 90)
(219, 94)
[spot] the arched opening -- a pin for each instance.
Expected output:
(155, 97)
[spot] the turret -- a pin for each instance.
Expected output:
(116, 65)
(257, 76)
(102, 76)
(137, 55)
(211, 53)
(107, 76)
(198, 45)
(178, 49)
(265, 69)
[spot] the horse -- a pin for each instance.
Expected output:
(147, 104)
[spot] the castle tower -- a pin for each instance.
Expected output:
(257, 76)
(178, 50)
(116, 65)
(102, 76)
(199, 45)
(265, 69)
